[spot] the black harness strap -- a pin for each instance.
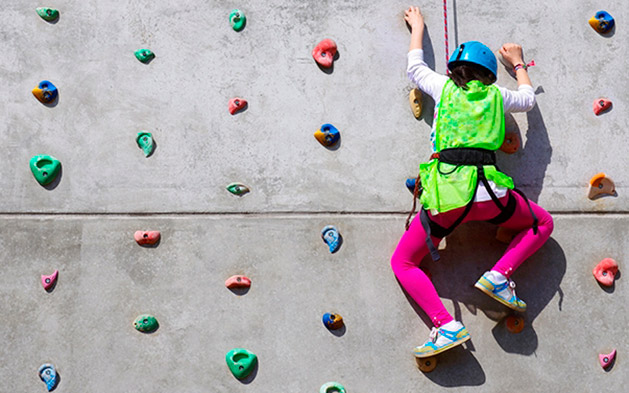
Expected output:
(478, 158)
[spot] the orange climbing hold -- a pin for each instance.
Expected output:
(146, 237)
(605, 271)
(511, 143)
(514, 323)
(601, 185)
(238, 281)
(601, 105)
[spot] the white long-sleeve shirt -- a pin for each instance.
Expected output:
(432, 83)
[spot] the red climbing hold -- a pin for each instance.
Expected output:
(601, 105)
(236, 104)
(147, 237)
(324, 53)
(49, 281)
(238, 282)
(511, 143)
(605, 271)
(606, 360)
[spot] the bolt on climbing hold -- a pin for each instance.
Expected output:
(602, 22)
(511, 143)
(332, 387)
(237, 19)
(146, 323)
(324, 53)
(238, 281)
(144, 55)
(606, 360)
(601, 105)
(241, 362)
(49, 281)
(238, 189)
(415, 99)
(45, 92)
(327, 135)
(146, 237)
(514, 323)
(331, 237)
(236, 104)
(605, 271)
(601, 185)
(505, 235)
(48, 14)
(45, 168)
(145, 142)
(48, 374)
(332, 321)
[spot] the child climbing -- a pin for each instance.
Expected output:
(461, 183)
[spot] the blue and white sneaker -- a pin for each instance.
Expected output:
(442, 339)
(498, 287)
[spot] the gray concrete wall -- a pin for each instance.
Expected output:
(108, 189)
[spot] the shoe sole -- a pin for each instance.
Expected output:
(443, 349)
(498, 298)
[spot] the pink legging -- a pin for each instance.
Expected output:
(412, 249)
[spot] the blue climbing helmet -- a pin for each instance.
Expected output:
(476, 53)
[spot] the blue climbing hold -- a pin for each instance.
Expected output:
(602, 22)
(45, 92)
(332, 321)
(410, 184)
(327, 135)
(48, 374)
(331, 237)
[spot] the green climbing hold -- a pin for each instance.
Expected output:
(237, 19)
(145, 142)
(241, 362)
(332, 387)
(146, 323)
(48, 14)
(144, 55)
(238, 189)
(45, 168)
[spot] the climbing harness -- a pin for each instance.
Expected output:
(473, 157)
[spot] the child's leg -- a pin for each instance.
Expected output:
(405, 262)
(525, 243)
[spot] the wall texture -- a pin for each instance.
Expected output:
(84, 225)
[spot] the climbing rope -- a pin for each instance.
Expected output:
(445, 27)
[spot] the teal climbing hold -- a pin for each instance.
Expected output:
(145, 142)
(144, 55)
(237, 189)
(332, 387)
(45, 168)
(237, 19)
(48, 14)
(241, 362)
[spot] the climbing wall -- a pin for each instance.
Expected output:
(83, 223)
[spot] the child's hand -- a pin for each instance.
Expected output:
(512, 53)
(414, 18)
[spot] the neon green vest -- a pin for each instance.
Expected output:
(472, 118)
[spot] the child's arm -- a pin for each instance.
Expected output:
(415, 20)
(418, 71)
(522, 100)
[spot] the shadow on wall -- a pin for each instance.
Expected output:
(461, 264)
(528, 165)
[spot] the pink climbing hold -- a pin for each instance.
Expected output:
(606, 360)
(324, 53)
(605, 271)
(49, 281)
(601, 105)
(238, 281)
(236, 104)
(146, 237)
